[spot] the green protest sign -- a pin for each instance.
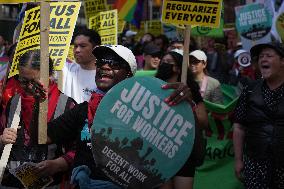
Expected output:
(217, 170)
(208, 31)
(137, 139)
(230, 99)
(253, 21)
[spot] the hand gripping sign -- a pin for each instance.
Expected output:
(137, 139)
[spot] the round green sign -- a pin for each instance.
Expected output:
(253, 21)
(137, 139)
(203, 30)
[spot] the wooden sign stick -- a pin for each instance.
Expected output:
(44, 68)
(185, 60)
(8, 147)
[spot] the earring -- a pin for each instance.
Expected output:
(128, 75)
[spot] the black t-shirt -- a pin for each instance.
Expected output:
(73, 126)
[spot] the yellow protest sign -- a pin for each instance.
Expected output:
(109, 6)
(105, 23)
(141, 31)
(93, 7)
(29, 177)
(154, 27)
(63, 16)
(192, 12)
(149, 26)
(70, 55)
(120, 25)
(16, 1)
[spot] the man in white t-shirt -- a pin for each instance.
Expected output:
(79, 78)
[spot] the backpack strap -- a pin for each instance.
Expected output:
(61, 104)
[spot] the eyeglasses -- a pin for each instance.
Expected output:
(113, 64)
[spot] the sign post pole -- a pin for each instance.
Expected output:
(208, 17)
(185, 60)
(44, 68)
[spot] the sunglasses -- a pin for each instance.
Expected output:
(113, 64)
(194, 61)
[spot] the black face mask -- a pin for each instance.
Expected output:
(165, 71)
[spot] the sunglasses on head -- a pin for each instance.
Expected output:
(113, 64)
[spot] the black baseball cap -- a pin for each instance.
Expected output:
(277, 46)
(151, 49)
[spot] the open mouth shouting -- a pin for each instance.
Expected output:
(104, 76)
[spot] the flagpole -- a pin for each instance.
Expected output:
(150, 9)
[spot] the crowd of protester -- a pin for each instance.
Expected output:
(97, 68)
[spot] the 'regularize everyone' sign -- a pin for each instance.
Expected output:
(137, 139)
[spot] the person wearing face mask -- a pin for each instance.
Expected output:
(210, 88)
(170, 70)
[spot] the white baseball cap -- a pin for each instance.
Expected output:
(130, 33)
(199, 55)
(125, 53)
(179, 51)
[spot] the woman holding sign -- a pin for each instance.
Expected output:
(170, 71)
(48, 160)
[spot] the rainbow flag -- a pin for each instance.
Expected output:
(125, 9)
(138, 14)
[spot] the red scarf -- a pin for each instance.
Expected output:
(92, 107)
(12, 88)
